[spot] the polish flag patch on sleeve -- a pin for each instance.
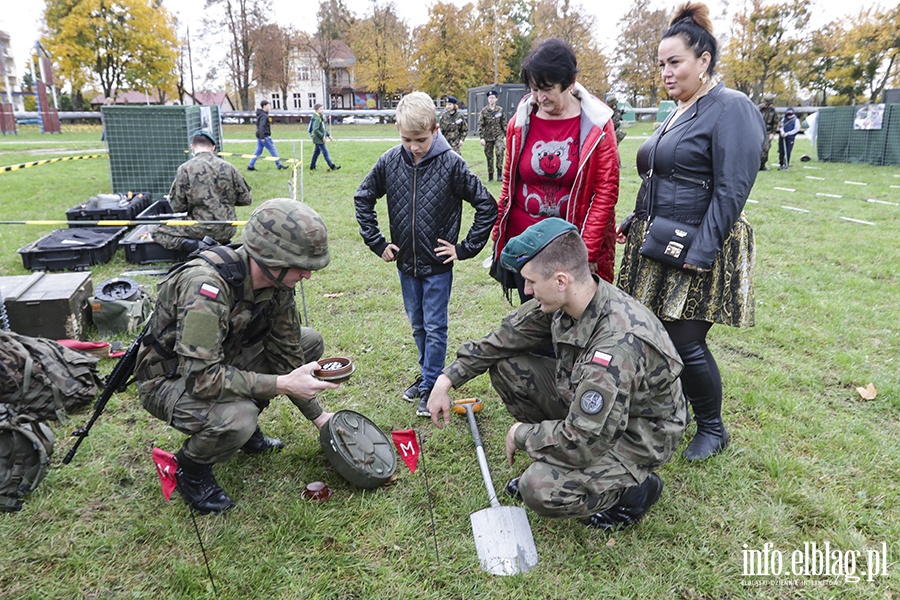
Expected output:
(210, 291)
(601, 358)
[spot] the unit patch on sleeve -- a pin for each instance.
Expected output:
(591, 402)
(601, 358)
(210, 291)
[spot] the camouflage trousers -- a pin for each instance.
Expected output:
(492, 148)
(169, 237)
(767, 145)
(527, 385)
(217, 429)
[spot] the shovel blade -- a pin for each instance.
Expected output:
(503, 540)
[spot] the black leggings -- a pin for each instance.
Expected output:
(700, 378)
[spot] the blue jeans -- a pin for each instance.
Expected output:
(320, 149)
(425, 300)
(267, 144)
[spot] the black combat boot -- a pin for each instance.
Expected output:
(512, 489)
(198, 486)
(631, 507)
(259, 443)
(703, 389)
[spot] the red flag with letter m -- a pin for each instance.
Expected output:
(165, 467)
(407, 443)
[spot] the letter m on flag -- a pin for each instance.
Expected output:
(408, 446)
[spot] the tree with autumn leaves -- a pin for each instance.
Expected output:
(112, 44)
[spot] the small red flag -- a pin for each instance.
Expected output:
(165, 468)
(407, 443)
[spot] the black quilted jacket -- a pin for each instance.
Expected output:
(424, 203)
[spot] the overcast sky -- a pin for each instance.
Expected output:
(21, 18)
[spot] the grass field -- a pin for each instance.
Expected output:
(811, 462)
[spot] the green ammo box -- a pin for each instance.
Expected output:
(48, 305)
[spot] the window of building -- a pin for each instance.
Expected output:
(311, 98)
(297, 100)
(275, 100)
(303, 73)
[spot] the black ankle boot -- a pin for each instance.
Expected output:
(259, 443)
(512, 489)
(703, 389)
(631, 507)
(198, 486)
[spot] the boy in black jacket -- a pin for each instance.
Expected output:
(425, 183)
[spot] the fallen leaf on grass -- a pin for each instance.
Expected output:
(335, 295)
(867, 393)
(611, 542)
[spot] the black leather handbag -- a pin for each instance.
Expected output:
(667, 241)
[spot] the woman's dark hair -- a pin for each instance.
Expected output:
(691, 22)
(550, 62)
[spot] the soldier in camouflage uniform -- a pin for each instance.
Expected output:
(226, 338)
(208, 189)
(602, 416)
(454, 125)
(613, 103)
(770, 118)
(492, 131)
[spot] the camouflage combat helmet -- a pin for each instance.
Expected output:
(284, 234)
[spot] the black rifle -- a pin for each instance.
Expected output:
(117, 381)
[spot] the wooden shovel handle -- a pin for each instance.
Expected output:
(459, 408)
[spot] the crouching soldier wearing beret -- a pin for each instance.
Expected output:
(600, 417)
(226, 338)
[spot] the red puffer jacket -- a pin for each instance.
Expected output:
(592, 204)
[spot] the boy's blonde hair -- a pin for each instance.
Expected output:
(415, 112)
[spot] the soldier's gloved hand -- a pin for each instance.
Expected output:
(206, 243)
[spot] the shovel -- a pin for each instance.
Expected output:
(502, 534)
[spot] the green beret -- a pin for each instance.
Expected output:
(527, 244)
(205, 134)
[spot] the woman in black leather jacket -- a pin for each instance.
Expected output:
(697, 169)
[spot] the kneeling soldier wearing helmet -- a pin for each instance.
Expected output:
(226, 338)
(603, 414)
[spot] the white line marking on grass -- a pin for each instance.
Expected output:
(828, 195)
(855, 183)
(883, 202)
(857, 221)
(803, 210)
(752, 201)
(819, 169)
(816, 178)
(785, 189)
(896, 187)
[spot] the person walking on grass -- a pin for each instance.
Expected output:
(425, 183)
(319, 134)
(264, 137)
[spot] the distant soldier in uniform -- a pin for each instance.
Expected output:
(770, 118)
(613, 103)
(454, 125)
(600, 417)
(207, 188)
(492, 131)
(226, 338)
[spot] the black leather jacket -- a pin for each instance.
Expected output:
(702, 169)
(424, 203)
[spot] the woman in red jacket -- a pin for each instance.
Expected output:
(561, 161)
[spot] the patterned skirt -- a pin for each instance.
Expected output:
(724, 295)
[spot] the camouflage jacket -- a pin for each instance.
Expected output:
(203, 329)
(455, 128)
(492, 124)
(617, 372)
(208, 188)
(770, 118)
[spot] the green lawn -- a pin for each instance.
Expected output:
(810, 461)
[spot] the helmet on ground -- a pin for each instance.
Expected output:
(285, 234)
